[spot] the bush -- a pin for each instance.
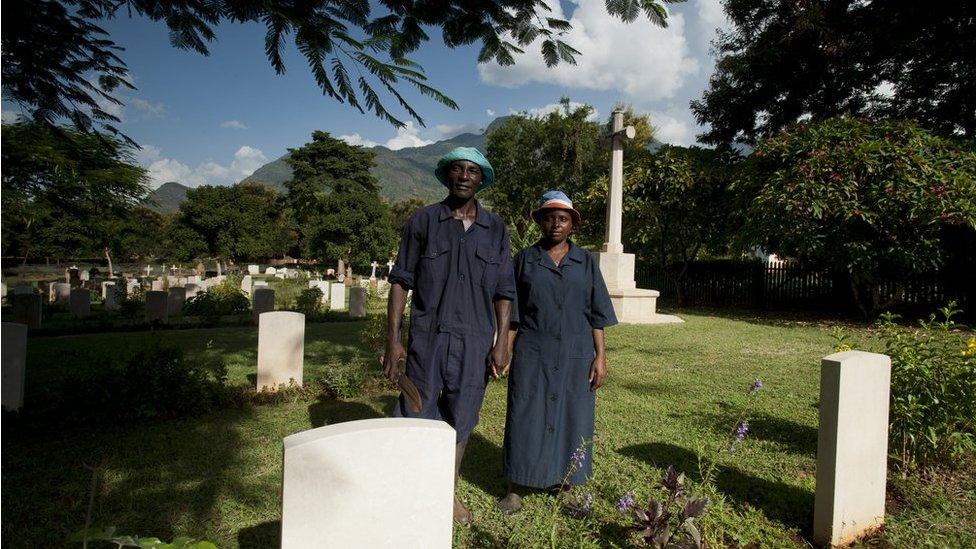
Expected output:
(226, 298)
(933, 390)
(309, 302)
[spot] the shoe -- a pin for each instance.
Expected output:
(509, 504)
(461, 514)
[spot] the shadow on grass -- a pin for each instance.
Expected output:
(260, 536)
(780, 502)
(328, 411)
(482, 466)
(785, 319)
(791, 436)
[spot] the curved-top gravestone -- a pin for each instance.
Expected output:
(80, 302)
(264, 301)
(357, 302)
(341, 488)
(156, 306)
(281, 349)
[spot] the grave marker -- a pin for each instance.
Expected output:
(156, 306)
(27, 309)
(337, 297)
(175, 301)
(852, 447)
(264, 302)
(281, 349)
(340, 488)
(60, 293)
(80, 303)
(14, 363)
(357, 303)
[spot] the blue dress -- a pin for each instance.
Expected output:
(550, 404)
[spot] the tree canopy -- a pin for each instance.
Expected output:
(60, 65)
(870, 199)
(784, 61)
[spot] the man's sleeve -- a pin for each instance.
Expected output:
(505, 288)
(408, 255)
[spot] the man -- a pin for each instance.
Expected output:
(456, 257)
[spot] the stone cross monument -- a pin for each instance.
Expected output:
(374, 265)
(389, 267)
(632, 304)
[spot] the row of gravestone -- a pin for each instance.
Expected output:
(339, 480)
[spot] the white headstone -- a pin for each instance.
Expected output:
(194, 279)
(105, 285)
(337, 297)
(323, 286)
(3, 290)
(260, 284)
(84, 275)
(330, 272)
(175, 301)
(264, 301)
(253, 269)
(281, 349)
(131, 285)
(156, 306)
(80, 302)
(148, 270)
(357, 302)
(852, 447)
(246, 285)
(270, 271)
(157, 285)
(14, 364)
(60, 293)
(341, 488)
(192, 289)
(27, 309)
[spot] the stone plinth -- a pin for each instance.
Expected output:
(357, 302)
(281, 349)
(852, 447)
(156, 309)
(174, 301)
(264, 301)
(60, 293)
(14, 362)
(27, 309)
(631, 304)
(374, 483)
(80, 303)
(337, 296)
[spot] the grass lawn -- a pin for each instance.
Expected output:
(672, 398)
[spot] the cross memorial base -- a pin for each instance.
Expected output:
(632, 305)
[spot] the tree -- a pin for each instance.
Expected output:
(678, 205)
(402, 210)
(335, 202)
(242, 222)
(785, 60)
(868, 199)
(64, 191)
(52, 49)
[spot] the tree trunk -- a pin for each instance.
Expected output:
(220, 271)
(111, 272)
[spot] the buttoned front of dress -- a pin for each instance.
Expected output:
(550, 404)
(456, 275)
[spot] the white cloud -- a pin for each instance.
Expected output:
(490, 112)
(358, 140)
(233, 124)
(711, 16)
(671, 128)
(639, 59)
(406, 137)
(149, 110)
(540, 112)
(11, 117)
(246, 161)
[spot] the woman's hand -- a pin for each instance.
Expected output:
(598, 372)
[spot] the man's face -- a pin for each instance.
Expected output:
(463, 179)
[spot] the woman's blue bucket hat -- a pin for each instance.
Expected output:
(470, 154)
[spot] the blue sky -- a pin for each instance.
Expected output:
(213, 120)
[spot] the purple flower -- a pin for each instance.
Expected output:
(756, 385)
(586, 503)
(739, 435)
(625, 502)
(578, 457)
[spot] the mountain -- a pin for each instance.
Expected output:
(167, 198)
(404, 173)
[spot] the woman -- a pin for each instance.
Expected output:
(559, 359)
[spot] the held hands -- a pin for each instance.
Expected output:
(395, 355)
(598, 372)
(498, 360)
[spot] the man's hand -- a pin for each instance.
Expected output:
(395, 355)
(598, 372)
(498, 359)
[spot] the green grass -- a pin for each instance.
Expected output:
(672, 398)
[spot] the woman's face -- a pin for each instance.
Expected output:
(556, 225)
